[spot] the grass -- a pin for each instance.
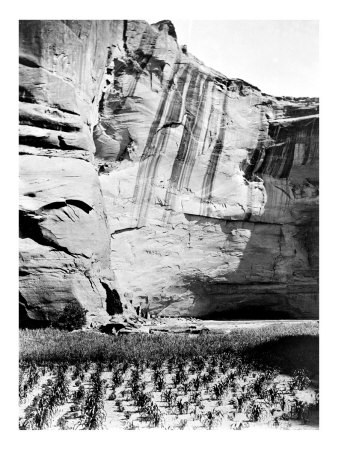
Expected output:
(46, 346)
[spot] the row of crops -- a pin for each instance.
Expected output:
(220, 390)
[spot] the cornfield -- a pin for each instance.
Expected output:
(174, 382)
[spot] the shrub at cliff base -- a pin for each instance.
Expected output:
(73, 317)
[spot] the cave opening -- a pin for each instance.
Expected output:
(113, 301)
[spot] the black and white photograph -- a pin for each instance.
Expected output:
(168, 202)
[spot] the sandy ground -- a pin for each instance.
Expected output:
(227, 326)
(217, 326)
(128, 416)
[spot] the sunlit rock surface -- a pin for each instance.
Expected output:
(201, 189)
(64, 235)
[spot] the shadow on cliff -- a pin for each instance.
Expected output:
(255, 290)
(265, 285)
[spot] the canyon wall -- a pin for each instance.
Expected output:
(152, 178)
(64, 234)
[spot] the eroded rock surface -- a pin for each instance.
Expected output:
(187, 192)
(65, 240)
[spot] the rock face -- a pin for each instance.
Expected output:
(65, 240)
(151, 178)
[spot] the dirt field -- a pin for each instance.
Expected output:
(191, 408)
(203, 387)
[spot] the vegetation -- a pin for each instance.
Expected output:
(93, 408)
(50, 345)
(40, 412)
(84, 380)
(73, 317)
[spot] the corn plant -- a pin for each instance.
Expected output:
(142, 400)
(61, 387)
(38, 414)
(135, 375)
(239, 425)
(158, 365)
(192, 369)
(180, 377)
(282, 402)
(117, 378)
(213, 361)
(240, 402)
(25, 386)
(270, 373)
(199, 363)
(300, 380)
(218, 389)
(112, 395)
(153, 413)
(270, 393)
(79, 394)
(195, 397)
(78, 371)
(212, 419)
(160, 383)
(127, 415)
(196, 383)
(185, 387)
(223, 367)
(302, 411)
(124, 393)
(62, 423)
(206, 379)
(136, 388)
(256, 412)
(170, 365)
(170, 397)
(158, 378)
(258, 385)
(212, 371)
(100, 366)
(93, 408)
(182, 424)
(182, 407)
(75, 408)
(119, 406)
(275, 422)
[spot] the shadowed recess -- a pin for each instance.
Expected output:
(24, 320)
(113, 302)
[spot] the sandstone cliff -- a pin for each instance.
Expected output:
(150, 178)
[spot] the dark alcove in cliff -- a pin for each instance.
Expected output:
(113, 302)
(24, 320)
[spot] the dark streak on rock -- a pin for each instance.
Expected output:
(208, 181)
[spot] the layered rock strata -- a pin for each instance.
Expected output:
(65, 239)
(149, 175)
